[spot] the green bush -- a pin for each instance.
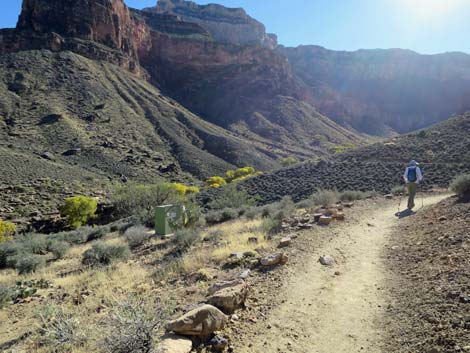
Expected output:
(216, 182)
(136, 236)
(325, 198)
(103, 254)
(231, 197)
(288, 161)
(140, 200)
(78, 210)
(29, 263)
(461, 186)
(58, 248)
(7, 229)
(185, 238)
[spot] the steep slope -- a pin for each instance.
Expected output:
(442, 151)
(65, 117)
(382, 92)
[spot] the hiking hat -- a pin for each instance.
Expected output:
(413, 162)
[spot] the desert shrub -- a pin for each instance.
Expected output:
(398, 190)
(104, 254)
(251, 212)
(6, 295)
(58, 248)
(308, 203)
(136, 236)
(32, 243)
(185, 238)
(141, 200)
(131, 326)
(28, 263)
(225, 215)
(461, 185)
(350, 195)
(271, 225)
(7, 229)
(98, 233)
(214, 236)
(325, 198)
(122, 225)
(8, 251)
(216, 182)
(231, 197)
(213, 217)
(78, 210)
(58, 330)
(79, 235)
(288, 161)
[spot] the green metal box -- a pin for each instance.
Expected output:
(164, 216)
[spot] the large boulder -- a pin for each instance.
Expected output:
(175, 344)
(200, 322)
(231, 298)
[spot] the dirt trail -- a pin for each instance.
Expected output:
(339, 309)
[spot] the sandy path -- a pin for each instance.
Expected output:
(329, 312)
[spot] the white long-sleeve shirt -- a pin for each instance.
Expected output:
(419, 175)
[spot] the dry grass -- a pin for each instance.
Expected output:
(235, 238)
(97, 289)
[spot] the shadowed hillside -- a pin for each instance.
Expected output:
(442, 151)
(381, 92)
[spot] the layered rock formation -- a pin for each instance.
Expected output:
(98, 29)
(226, 25)
(382, 92)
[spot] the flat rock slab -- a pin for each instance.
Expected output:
(175, 344)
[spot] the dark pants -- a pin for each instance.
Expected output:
(412, 189)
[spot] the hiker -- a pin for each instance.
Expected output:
(413, 176)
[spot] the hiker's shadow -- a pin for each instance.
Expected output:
(405, 213)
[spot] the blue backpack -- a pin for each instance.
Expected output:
(412, 174)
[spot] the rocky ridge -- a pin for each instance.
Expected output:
(226, 25)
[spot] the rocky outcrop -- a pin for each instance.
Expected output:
(97, 29)
(226, 25)
(172, 25)
(382, 92)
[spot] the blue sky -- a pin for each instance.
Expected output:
(426, 26)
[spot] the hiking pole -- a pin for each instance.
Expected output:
(399, 202)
